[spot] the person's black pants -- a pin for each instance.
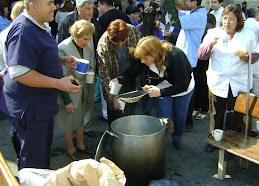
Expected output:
(218, 107)
(201, 98)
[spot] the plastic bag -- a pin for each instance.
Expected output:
(162, 182)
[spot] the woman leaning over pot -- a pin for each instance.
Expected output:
(227, 73)
(170, 79)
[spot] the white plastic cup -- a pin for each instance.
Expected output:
(217, 134)
(82, 66)
(115, 88)
(122, 103)
(257, 125)
(89, 77)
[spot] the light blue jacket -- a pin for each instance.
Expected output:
(4, 23)
(193, 25)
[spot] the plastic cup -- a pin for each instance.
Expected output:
(217, 134)
(90, 77)
(115, 88)
(122, 103)
(82, 66)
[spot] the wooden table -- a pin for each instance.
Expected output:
(237, 144)
(6, 176)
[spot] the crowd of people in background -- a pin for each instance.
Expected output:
(184, 53)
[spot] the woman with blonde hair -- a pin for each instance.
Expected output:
(17, 9)
(170, 80)
(76, 109)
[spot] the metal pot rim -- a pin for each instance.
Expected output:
(161, 121)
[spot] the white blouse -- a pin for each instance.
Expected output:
(224, 67)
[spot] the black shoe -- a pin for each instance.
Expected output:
(85, 151)
(178, 145)
(91, 134)
(74, 156)
(209, 148)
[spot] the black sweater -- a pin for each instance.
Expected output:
(178, 71)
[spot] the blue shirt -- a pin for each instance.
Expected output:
(29, 45)
(4, 23)
(193, 26)
(157, 32)
(134, 22)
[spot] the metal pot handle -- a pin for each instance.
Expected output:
(101, 148)
(169, 124)
(111, 134)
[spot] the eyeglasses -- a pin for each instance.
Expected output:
(228, 19)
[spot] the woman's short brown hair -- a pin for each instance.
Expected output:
(117, 30)
(238, 13)
(82, 27)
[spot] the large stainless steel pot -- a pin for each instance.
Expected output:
(138, 148)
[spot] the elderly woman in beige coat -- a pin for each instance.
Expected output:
(75, 110)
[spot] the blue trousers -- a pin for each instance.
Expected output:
(35, 139)
(178, 108)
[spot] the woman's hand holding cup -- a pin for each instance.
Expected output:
(115, 87)
(113, 80)
(118, 104)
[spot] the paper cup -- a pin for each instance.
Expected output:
(82, 66)
(115, 88)
(217, 134)
(122, 103)
(90, 77)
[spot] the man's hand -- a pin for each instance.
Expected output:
(36, 79)
(69, 108)
(65, 84)
(69, 61)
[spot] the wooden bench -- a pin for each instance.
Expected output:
(6, 176)
(237, 144)
(240, 106)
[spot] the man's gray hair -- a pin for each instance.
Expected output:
(251, 12)
(27, 2)
(81, 3)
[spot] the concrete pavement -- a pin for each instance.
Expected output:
(191, 166)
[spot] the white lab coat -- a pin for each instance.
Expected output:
(224, 67)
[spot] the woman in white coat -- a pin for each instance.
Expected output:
(228, 71)
(75, 110)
